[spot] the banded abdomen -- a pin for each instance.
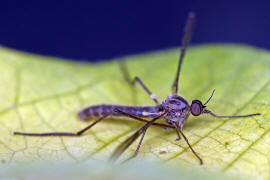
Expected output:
(106, 109)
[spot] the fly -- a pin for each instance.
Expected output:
(174, 110)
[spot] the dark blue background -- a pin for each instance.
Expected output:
(94, 30)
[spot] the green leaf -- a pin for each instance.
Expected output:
(44, 94)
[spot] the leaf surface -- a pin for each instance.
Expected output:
(44, 94)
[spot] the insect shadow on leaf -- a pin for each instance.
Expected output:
(174, 110)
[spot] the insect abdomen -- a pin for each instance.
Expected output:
(106, 109)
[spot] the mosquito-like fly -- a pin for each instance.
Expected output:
(175, 110)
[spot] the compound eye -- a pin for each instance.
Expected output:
(196, 108)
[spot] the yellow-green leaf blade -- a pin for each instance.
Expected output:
(41, 94)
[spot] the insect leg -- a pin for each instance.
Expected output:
(138, 80)
(137, 149)
(179, 137)
(185, 41)
(179, 131)
(143, 120)
(122, 147)
(152, 96)
(123, 69)
(79, 133)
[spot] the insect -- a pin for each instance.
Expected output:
(174, 110)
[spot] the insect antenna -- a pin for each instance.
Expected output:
(206, 111)
(209, 97)
(185, 41)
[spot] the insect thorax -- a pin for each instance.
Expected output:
(177, 108)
